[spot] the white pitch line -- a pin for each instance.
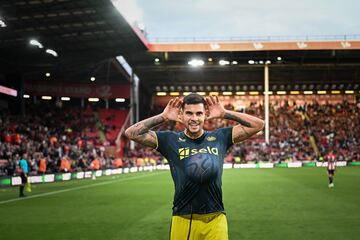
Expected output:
(74, 188)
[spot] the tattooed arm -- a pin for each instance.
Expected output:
(248, 125)
(140, 132)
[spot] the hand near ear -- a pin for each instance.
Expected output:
(215, 109)
(172, 110)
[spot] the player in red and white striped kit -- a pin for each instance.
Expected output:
(331, 159)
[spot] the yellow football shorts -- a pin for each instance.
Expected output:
(212, 226)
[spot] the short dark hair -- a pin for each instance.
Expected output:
(193, 98)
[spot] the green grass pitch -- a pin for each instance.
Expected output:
(260, 204)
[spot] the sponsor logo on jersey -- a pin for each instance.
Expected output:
(211, 138)
(182, 139)
(186, 152)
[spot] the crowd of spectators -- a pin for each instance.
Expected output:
(289, 137)
(66, 139)
(336, 127)
(298, 132)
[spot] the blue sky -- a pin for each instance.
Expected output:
(237, 18)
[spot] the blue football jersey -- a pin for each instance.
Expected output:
(196, 167)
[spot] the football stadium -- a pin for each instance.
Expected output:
(106, 133)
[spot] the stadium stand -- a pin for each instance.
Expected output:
(336, 127)
(67, 138)
(112, 120)
(291, 132)
(298, 132)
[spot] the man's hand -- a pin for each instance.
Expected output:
(172, 110)
(216, 110)
(140, 132)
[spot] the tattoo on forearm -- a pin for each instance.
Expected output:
(237, 119)
(145, 125)
(246, 133)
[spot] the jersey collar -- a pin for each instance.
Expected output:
(195, 139)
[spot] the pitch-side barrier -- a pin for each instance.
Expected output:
(59, 177)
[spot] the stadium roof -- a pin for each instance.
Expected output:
(84, 34)
(310, 63)
(88, 34)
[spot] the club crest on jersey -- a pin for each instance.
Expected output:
(186, 152)
(211, 138)
(182, 139)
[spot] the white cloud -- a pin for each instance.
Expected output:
(236, 18)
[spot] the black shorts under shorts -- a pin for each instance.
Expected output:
(23, 178)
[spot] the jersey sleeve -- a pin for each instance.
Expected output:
(162, 137)
(226, 134)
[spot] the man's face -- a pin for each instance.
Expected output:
(193, 117)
